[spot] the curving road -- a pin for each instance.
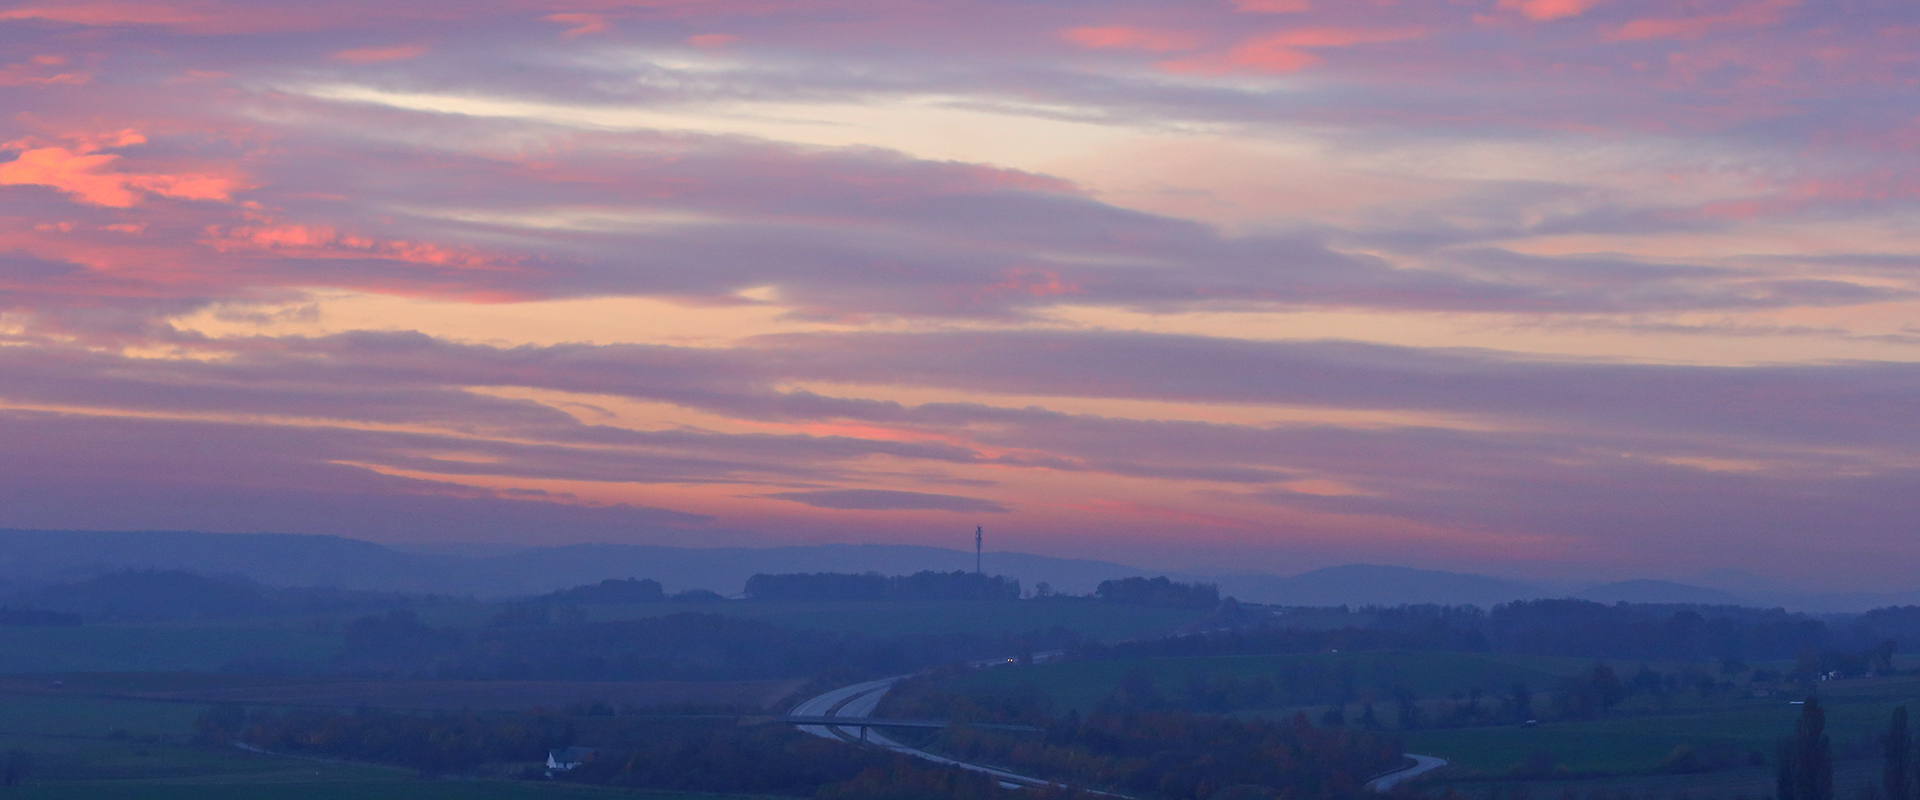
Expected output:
(859, 700)
(1421, 766)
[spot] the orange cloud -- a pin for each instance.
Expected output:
(371, 55)
(1122, 37)
(1752, 15)
(712, 40)
(1545, 10)
(83, 173)
(1273, 6)
(583, 24)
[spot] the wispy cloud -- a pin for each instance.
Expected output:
(1245, 284)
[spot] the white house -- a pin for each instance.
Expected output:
(567, 758)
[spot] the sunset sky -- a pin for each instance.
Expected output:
(1551, 288)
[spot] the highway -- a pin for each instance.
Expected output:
(860, 700)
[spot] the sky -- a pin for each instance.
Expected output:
(1544, 288)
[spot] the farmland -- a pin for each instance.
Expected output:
(1640, 745)
(93, 747)
(1857, 710)
(211, 646)
(196, 689)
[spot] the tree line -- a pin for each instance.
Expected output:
(680, 646)
(925, 585)
(1132, 743)
(1159, 591)
(1565, 627)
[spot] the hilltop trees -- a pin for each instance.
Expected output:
(679, 646)
(1159, 592)
(611, 590)
(925, 585)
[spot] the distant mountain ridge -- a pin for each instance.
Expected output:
(39, 557)
(1651, 591)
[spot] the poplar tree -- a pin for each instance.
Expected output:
(1897, 774)
(1806, 760)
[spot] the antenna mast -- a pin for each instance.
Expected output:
(976, 549)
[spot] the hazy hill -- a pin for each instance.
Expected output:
(280, 559)
(40, 558)
(56, 557)
(1650, 591)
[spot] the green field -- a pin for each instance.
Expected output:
(1632, 740)
(98, 748)
(1857, 711)
(164, 647)
(339, 783)
(1080, 685)
(394, 787)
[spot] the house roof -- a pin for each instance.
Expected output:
(572, 754)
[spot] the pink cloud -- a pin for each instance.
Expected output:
(1750, 15)
(1273, 6)
(83, 172)
(1340, 37)
(583, 24)
(1547, 10)
(40, 71)
(373, 55)
(711, 40)
(106, 13)
(1033, 283)
(201, 16)
(319, 241)
(1121, 37)
(1282, 52)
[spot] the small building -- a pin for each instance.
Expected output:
(567, 758)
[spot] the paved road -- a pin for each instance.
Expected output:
(859, 700)
(1421, 766)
